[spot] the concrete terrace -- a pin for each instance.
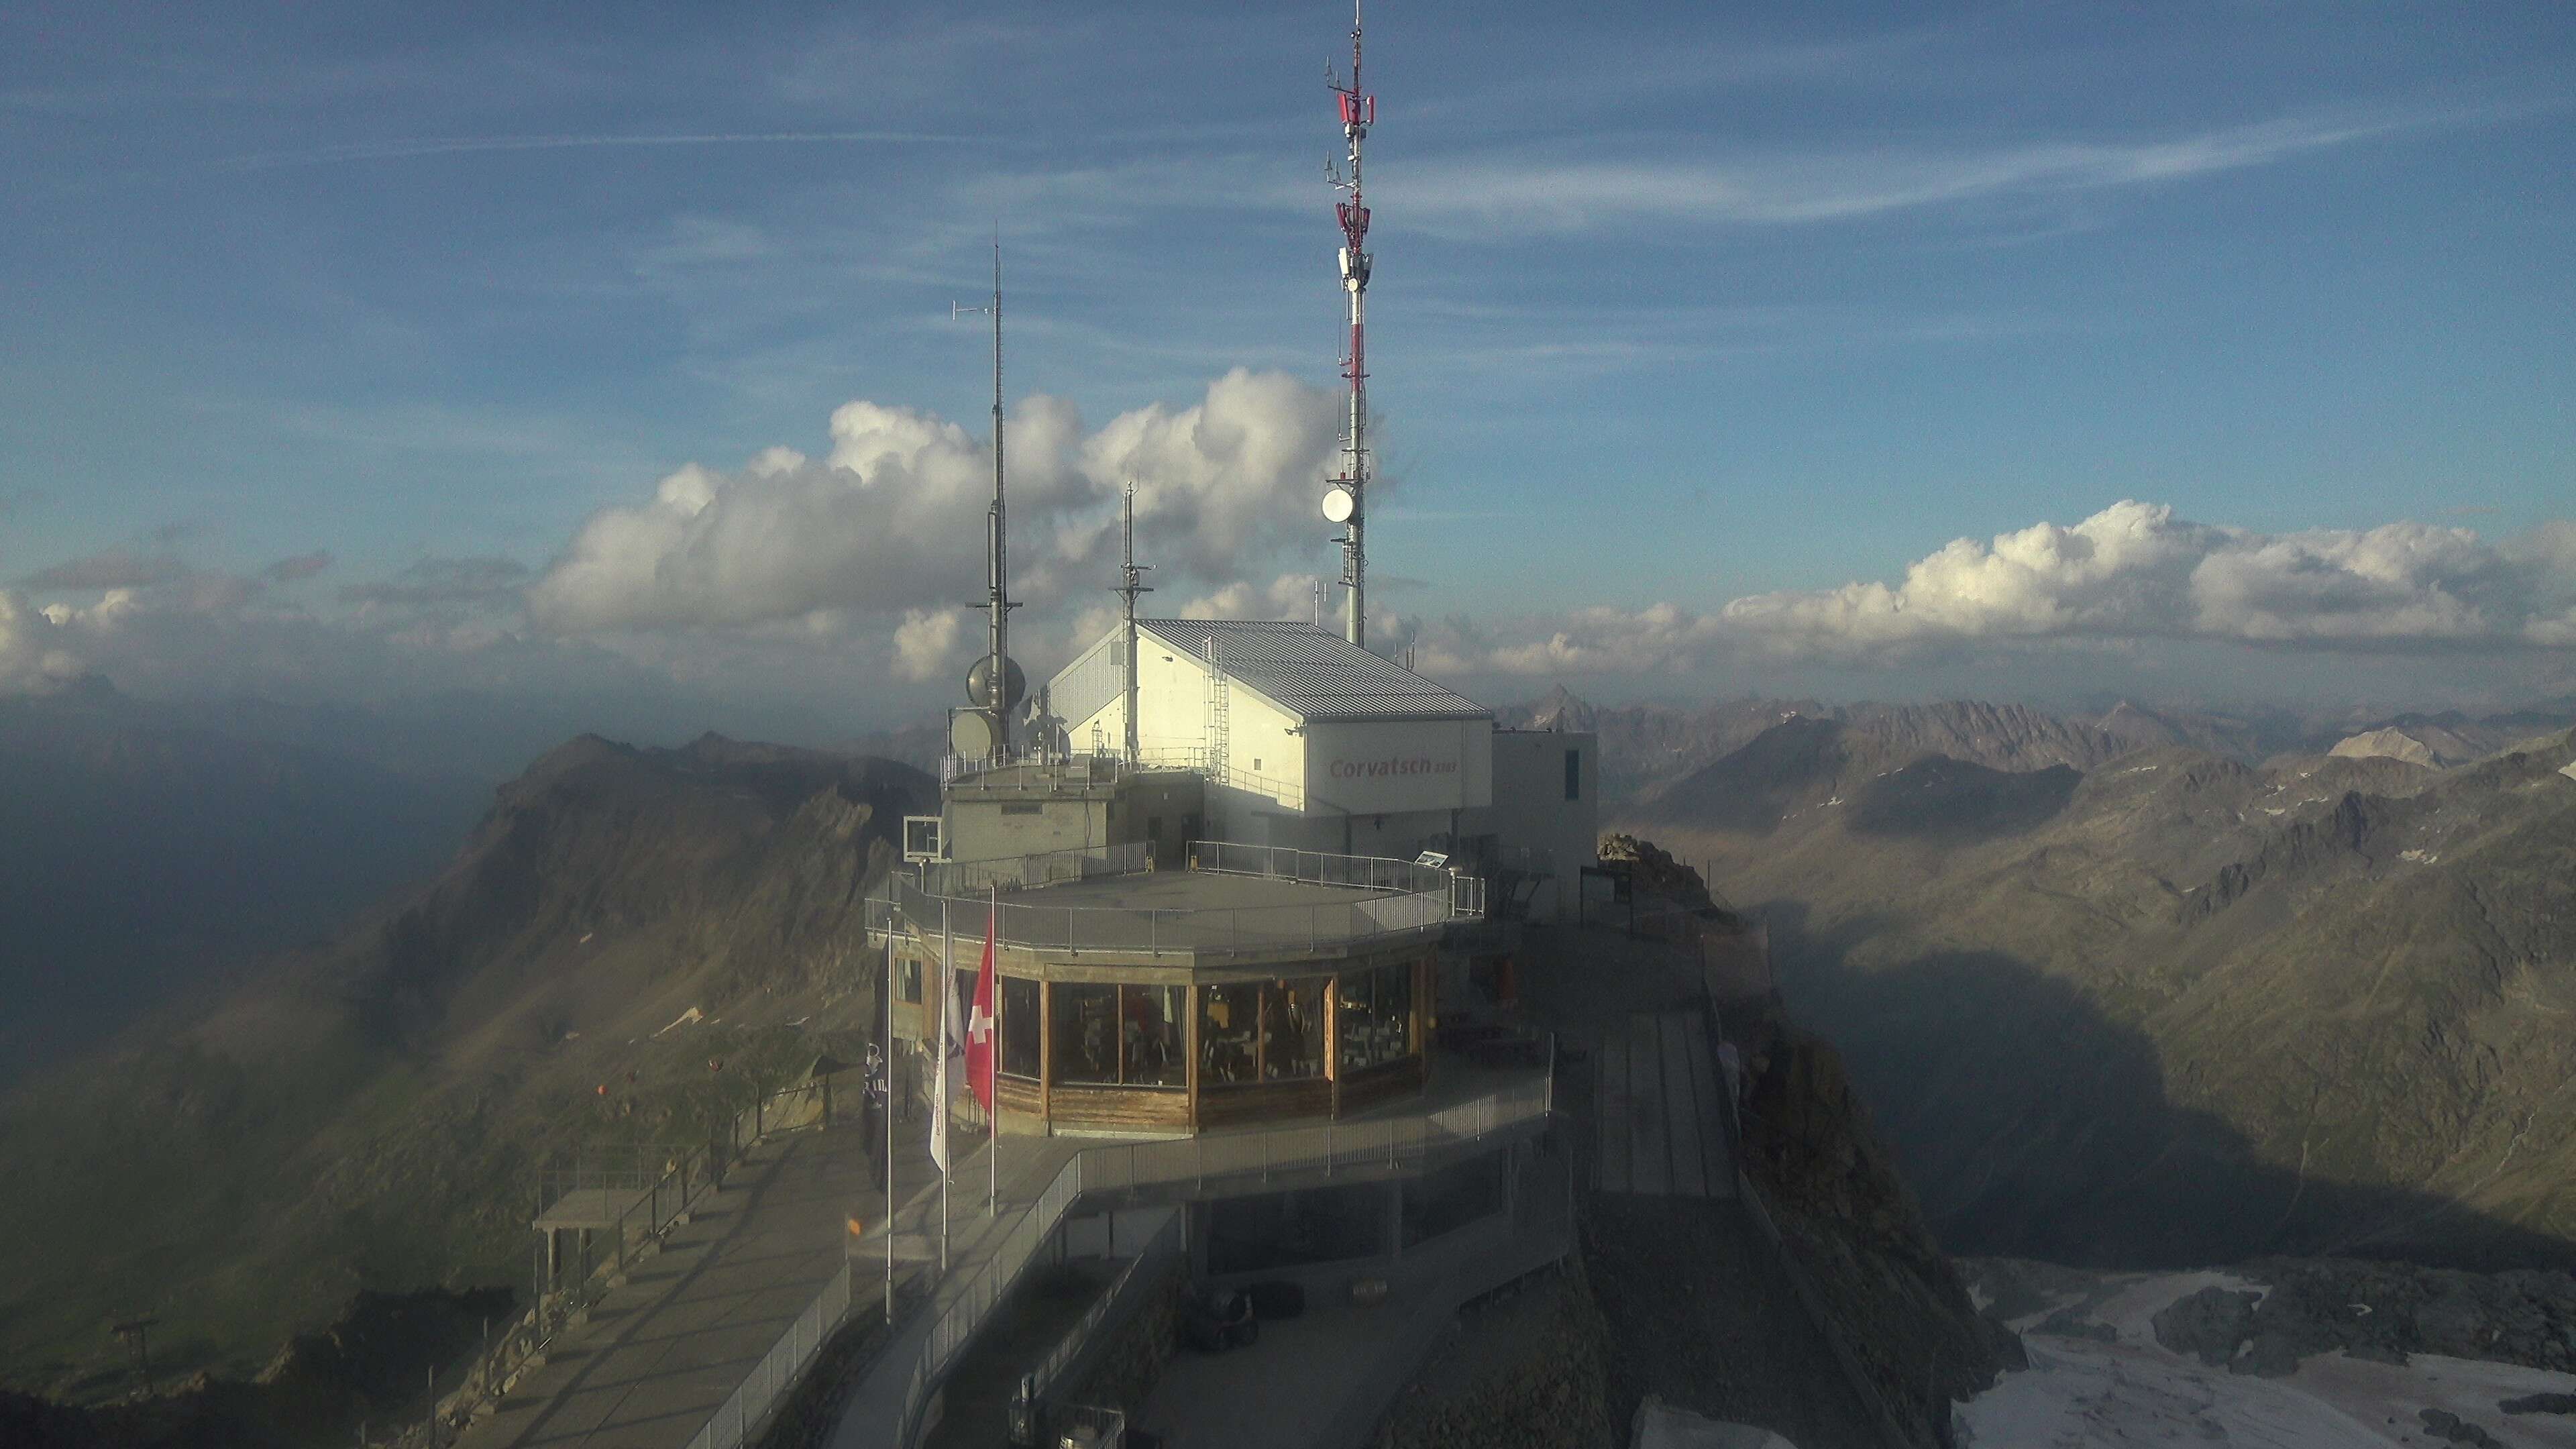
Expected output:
(662, 1352)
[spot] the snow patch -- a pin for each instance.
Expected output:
(2132, 1391)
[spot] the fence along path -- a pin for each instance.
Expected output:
(664, 1347)
(887, 1406)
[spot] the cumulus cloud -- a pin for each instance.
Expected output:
(32, 657)
(2132, 572)
(1289, 596)
(925, 643)
(890, 524)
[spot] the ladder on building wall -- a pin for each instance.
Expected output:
(1217, 702)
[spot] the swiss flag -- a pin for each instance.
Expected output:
(979, 1029)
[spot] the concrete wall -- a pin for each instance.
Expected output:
(1534, 825)
(990, 829)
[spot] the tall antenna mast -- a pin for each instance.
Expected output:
(1131, 582)
(1345, 502)
(996, 690)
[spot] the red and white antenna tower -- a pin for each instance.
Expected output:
(1345, 502)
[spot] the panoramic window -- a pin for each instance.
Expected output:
(1152, 1049)
(1229, 1023)
(1376, 1016)
(1021, 1028)
(1292, 1029)
(1086, 1034)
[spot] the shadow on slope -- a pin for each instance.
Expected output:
(2035, 1126)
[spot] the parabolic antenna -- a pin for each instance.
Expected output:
(979, 684)
(971, 733)
(1337, 504)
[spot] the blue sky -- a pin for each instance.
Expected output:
(1673, 306)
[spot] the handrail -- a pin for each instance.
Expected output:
(1387, 897)
(1195, 1159)
(961, 1307)
(1077, 1338)
(665, 1199)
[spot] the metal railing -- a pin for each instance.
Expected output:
(1019, 872)
(1155, 931)
(1465, 893)
(962, 1305)
(770, 1380)
(1164, 1243)
(685, 1177)
(1388, 897)
(1091, 767)
(1126, 1166)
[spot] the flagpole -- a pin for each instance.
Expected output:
(993, 1054)
(888, 1109)
(947, 1004)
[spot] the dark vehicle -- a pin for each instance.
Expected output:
(1218, 1319)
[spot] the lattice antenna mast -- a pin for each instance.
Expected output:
(997, 554)
(1131, 582)
(1346, 502)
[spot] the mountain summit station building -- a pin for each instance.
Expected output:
(1261, 913)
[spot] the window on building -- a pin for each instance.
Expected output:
(1269, 1031)
(1376, 1016)
(1574, 774)
(1120, 1036)
(1021, 1028)
(907, 980)
(1086, 1033)
(1229, 1030)
(1151, 1048)
(1292, 1030)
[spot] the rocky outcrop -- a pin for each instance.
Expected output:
(1846, 1214)
(2380, 1311)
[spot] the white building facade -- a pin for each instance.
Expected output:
(1306, 741)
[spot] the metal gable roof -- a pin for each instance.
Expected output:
(1310, 673)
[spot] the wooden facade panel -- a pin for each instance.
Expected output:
(1120, 1109)
(1225, 1106)
(1018, 1095)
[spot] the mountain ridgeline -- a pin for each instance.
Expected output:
(2123, 999)
(369, 1114)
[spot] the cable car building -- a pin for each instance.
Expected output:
(1247, 920)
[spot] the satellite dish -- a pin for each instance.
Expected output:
(1338, 504)
(979, 684)
(971, 734)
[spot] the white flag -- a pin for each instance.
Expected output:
(939, 1091)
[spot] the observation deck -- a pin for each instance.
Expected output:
(1259, 983)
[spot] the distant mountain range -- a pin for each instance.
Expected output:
(146, 851)
(1648, 747)
(2122, 997)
